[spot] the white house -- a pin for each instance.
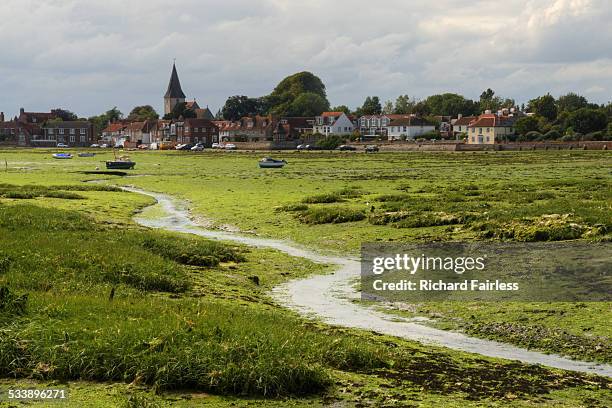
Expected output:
(333, 123)
(408, 128)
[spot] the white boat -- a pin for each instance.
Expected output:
(270, 163)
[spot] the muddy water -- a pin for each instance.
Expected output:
(328, 297)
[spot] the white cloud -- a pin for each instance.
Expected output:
(89, 56)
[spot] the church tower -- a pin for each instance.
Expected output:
(174, 95)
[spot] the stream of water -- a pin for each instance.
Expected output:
(328, 297)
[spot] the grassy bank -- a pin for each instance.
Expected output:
(89, 296)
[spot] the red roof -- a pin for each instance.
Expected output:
(464, 120)
(492, 120)
(327, 114)
(114, 127)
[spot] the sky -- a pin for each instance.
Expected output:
(89, 55)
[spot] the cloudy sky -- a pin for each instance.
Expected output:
(89, 56)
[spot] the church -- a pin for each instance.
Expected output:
(175, 95)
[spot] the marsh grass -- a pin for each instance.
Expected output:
(330, 215)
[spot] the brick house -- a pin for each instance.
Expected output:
(248, 129)
(72, 133)
(193, 130)
(293, 129)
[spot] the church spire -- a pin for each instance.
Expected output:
(174, 86)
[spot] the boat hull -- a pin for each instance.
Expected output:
(62, 156)
(271, 165)
(123, 165)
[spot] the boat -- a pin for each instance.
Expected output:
(87, 154)
(121, 163)
(62, 156)
(270, 163)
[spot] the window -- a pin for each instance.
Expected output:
(83, 139)
(83, 131)
(480, 131)
(473, 140)
(61, 131)
(473, 131)
(50, 131)
(487, 138)
(72, 139)
(487, 130)
(72, 131)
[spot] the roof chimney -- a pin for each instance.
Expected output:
(459, 116)
(1, 116)
(21, 111)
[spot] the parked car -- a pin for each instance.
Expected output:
(95, 145)
(198, 147)
(371, 149)
(308, 147)
(187, 146)
(62, 145)
(346, 148)
(143, 147)
(230, 146)
(217, 146)
(104, 146)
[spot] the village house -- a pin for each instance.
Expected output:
(194, 130)
(200, 113)
(290, 129)
(490, 128)
(461, 123)
(248, 129)
(333, 123)
(15, 132)
(139, 133)
(408, 128)
(72, 133)
(113, 133)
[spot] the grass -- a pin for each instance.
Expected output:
(92, 297)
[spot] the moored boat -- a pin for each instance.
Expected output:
(87, 154)
(123, 163)
(62, 156)
(270, 163)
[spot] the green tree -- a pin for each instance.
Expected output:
(404, 105)
(308, 104)
(101, 121)
(113, 115)
(527, 124)
(586, 120)
(488, 101)
(371, 106)
(180, 110)
(64, 115)
(283, 95)
(544, 106)
(571, 102)
(450, 104)
(388, 108)
(142, 113)
(341, 108)
(239, 106)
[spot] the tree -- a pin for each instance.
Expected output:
(404, 105)
(544, 106)
(571, 102)
(586, 120)
(308, 104)
(180, 110)
(371, 106)
(421, 109)
(527, 124)
(341, 108)
(488, 101)
(64, 115)
(142, 113)
(450, 104)
(388, 108)
(101, 121)
(239, 106)
(283, 95)
(113, 115)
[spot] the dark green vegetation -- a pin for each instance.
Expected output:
(107, 301)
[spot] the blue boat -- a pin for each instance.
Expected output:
(62, 156)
